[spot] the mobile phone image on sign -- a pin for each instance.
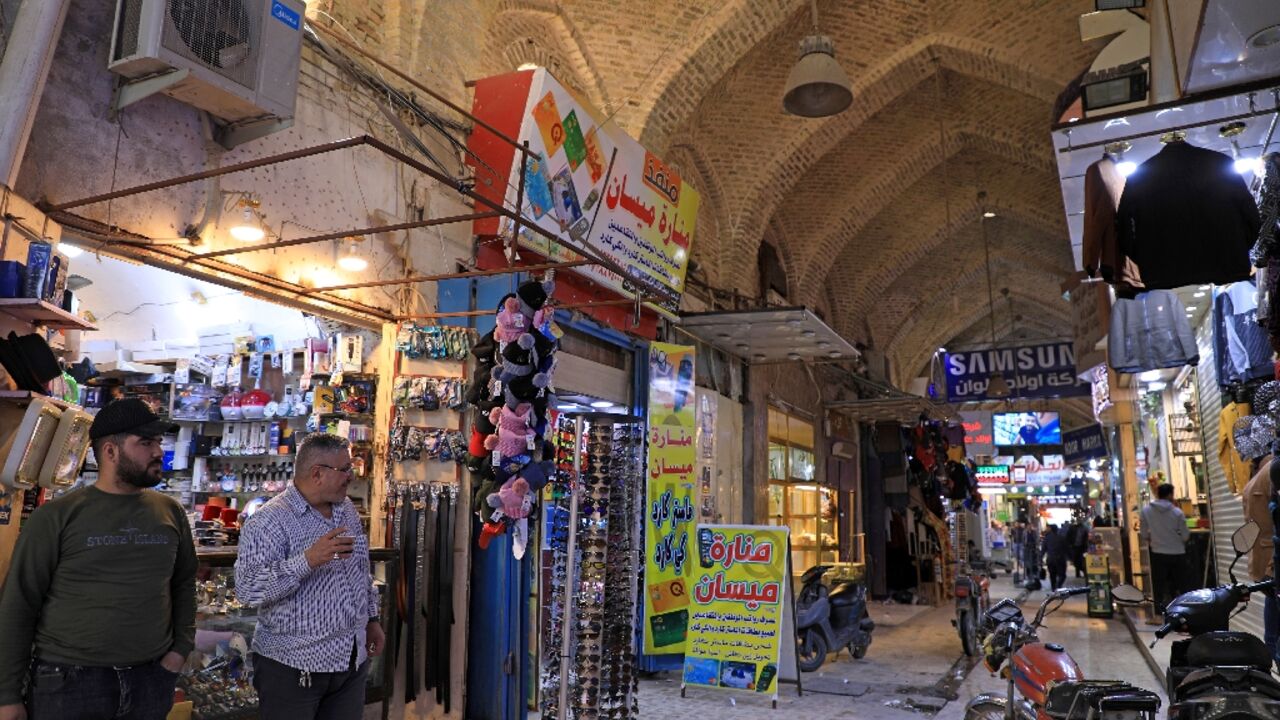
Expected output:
(538, 186)
(565, 197)
(575, 147)
(669, 628)
(595, 157)
(668, 595)
(767, 673)
(547, 116)
(701, 671)
(738, 675)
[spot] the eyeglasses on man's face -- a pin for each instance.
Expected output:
(344, 470)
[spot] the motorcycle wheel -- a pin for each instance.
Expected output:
(812, 651)
(968, 634)
(857, 651)
(984, 711)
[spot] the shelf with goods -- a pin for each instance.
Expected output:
(26, 396)
(40, 312)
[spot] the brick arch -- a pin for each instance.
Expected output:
(862, 203)
(875, 89)
(914, 227)
(688, 160)
(1026, 282)
(913, 347)
(546, 33)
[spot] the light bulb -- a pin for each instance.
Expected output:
(1248, 165)
(248, 229)
(352, 260)
(70, 251)
(1126, 167)
(601, 404)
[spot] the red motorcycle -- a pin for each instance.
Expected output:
(1044, 682)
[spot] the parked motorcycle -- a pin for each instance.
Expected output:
(828, 618)
(1219, 674)
(973, 597)
(1044, 683)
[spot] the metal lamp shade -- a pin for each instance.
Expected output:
(998, 387)
(817, 86)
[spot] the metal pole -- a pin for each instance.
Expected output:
(570, 566)
(216, 172)
(515, 235)
(238, 250)
(455, 276)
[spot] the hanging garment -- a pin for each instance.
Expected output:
(1151, 332)
(1187, 218)
(1101, 255)
(1236, 468)
(1241, 346)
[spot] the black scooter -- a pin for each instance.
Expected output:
(830, 618)
(1219, 674)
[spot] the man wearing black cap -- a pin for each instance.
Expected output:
(97, 614)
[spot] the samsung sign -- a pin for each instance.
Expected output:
(1034, 371)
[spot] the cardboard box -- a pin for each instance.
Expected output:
(98, 345)
(167, 355)
(109, 356)
(217, 349)
(143, 345)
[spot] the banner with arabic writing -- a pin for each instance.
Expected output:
(670, 492)
(639, 213)
(738, 602)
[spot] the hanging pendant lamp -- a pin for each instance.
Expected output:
(817, 86)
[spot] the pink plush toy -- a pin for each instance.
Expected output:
(512, 496)
(491, 441)
(514, 431)
(511, 322)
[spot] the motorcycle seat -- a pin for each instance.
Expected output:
(1228, 648)
(846, 594)
(1086, 699)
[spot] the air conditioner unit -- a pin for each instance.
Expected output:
(236, 59)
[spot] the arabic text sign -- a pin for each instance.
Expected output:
(1047, 370)
(669, 492)
(978, 437)
(642, 218)
(1084, 444)
(737, 610)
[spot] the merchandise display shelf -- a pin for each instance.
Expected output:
(220, 421)
(263, 456)
(39, 312)
(25, 396)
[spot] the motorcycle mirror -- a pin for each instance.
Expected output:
(1127, 594)
(1245, 537)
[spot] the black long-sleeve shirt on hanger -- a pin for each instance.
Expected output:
(1187, 218)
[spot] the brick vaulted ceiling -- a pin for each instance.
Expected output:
(874, 212)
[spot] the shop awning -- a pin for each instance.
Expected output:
(769, 335)
(904, 408)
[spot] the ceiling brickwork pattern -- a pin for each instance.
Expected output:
(950, 98)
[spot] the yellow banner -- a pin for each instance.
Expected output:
(669, 511)
(738, 601)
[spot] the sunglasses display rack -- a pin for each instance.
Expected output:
(589, 655)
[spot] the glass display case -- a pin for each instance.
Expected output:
(217, 677)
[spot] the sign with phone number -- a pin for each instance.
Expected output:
(739, 601)
(669, 491)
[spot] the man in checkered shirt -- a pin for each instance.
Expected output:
(304, 562)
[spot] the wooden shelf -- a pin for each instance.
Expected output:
(26, 396)
(39, 312)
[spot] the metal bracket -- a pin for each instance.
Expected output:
(229, 136)
(129, 93)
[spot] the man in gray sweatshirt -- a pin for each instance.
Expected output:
(1164, 527)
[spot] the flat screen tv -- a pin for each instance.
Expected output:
(1027, 428)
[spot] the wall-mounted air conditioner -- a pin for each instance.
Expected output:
(236, 59)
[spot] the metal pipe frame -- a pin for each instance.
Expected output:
(341, 145)
(414, 279)
(480, 313)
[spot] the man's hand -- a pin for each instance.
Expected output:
(331, 546)
(377, 638)
(13, 712)
(173, 662)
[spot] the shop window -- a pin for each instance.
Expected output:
(795, 500)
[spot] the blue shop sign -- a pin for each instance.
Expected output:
(1032, 371)
(1083, 444)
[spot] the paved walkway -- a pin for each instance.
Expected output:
(910, 672)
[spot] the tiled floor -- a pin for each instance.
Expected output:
(903, 677)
